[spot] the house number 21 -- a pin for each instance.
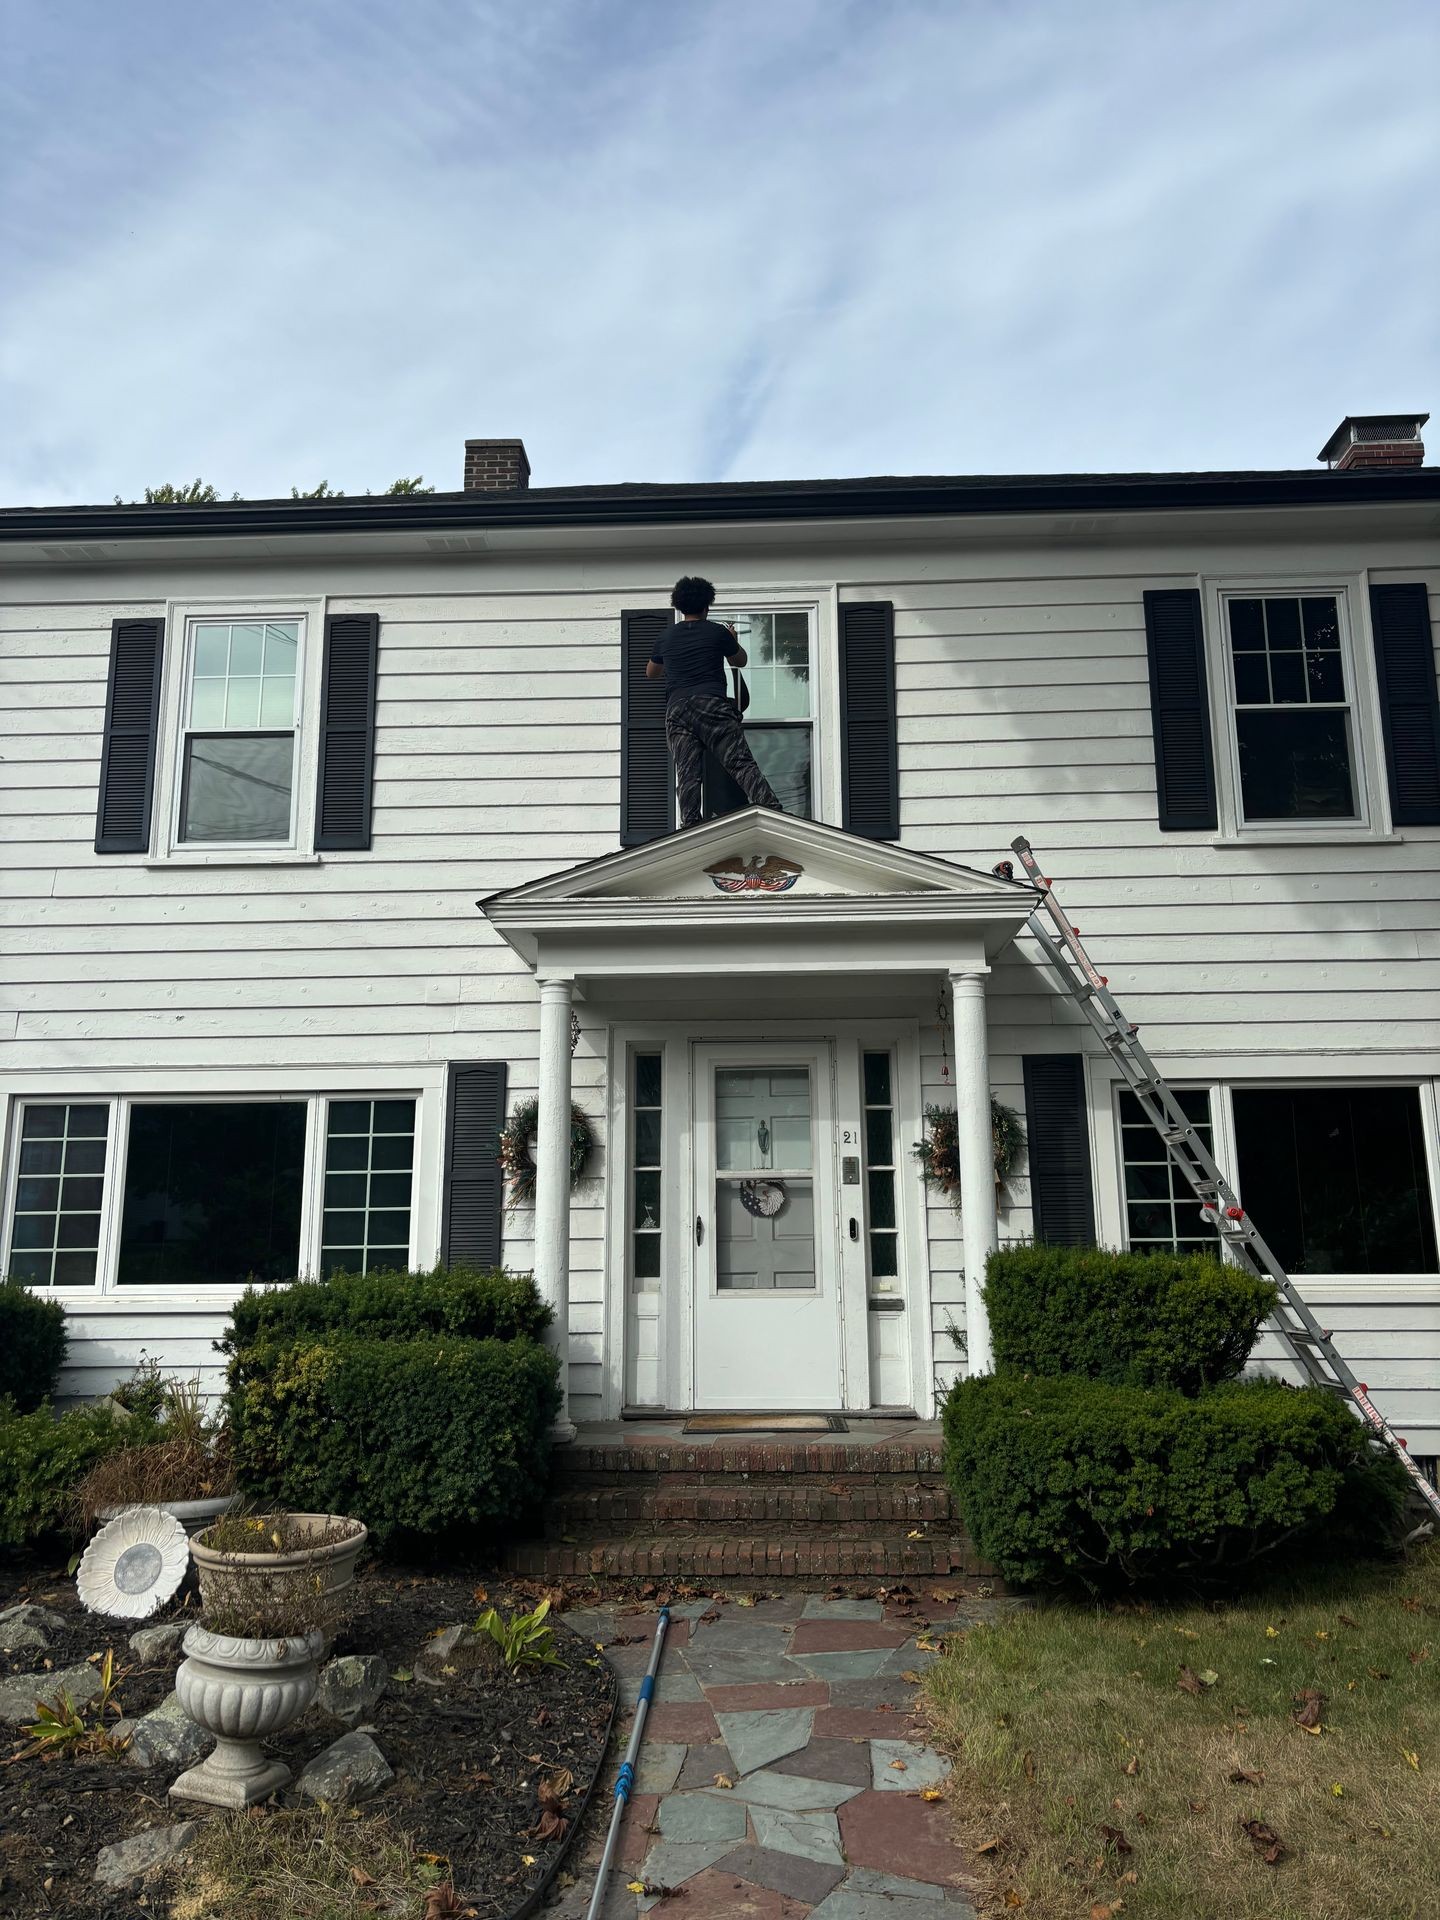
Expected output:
(848, 1138)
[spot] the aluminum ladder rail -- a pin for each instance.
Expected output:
(1310, 1343)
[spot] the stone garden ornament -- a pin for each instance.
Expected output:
(134, 1564)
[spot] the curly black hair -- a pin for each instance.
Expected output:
(692, 595)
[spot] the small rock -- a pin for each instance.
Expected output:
(352, 1769)
(18, 1696)
(152, 1644)
(28, 1626)
(165, 1737)
(126, 1863)
(351, 1685)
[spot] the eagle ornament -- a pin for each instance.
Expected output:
(759, 873)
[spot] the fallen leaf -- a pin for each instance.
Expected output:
(1321, 1634)
(1242, 1777)
(441, 1902)
(898, 1766)
(931, 1794)
(1272, 1633)
(635, 1886)
(1411, 1759)
(1209, 1677)
(527, 1859)
(1027, 1763)
(1196, 1806)
(722, 1780)
(1377, 1673)
(911, 1676)
(1307, 1709)
(1132, 1765)
(916, 1533)
(363, 1879)
(1187, 1633)
(1114, 1837)
(1267, 1842)
(1013, 1897)
(1416, 1659)
(745, 1599)
(990, 1846)
(1346, 1621)
(1193, 1682)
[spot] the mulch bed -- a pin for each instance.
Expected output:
(468, 1755)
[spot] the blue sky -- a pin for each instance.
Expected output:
(282, 241)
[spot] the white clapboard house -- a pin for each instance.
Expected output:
(333, 829)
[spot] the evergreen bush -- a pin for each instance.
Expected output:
(1063, 1477)
(44, 1456)
(477, 1303)
(32, 1345)
(1182, 1320)
(413, 1436)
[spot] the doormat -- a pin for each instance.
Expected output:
(765, 1423)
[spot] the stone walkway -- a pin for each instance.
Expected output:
(783, 1773)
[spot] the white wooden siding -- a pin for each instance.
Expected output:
(1023, 706)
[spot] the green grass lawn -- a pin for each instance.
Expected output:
(1109, 1757)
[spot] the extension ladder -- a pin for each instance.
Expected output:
(1310, 1343)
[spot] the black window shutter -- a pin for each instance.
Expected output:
(1409, 703)
(132, 717)
(1180, 710)
(347, 733)
(1059, 1135)
(647, 784)
(869, 746)
(474, 1198)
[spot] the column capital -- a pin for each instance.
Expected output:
(972, 978)
(554, 986)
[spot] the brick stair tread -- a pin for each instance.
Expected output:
(673, 1555)
(738, 1508)
(827, 1457)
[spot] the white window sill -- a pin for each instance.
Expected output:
(285, 857)
(1351, 837)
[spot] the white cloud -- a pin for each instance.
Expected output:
(723, 239)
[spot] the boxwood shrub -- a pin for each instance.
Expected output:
(1134, 1319)
(43, 1457)
(1067, 1477)
(32, 1345)
(413, 1436)
(478, 1303)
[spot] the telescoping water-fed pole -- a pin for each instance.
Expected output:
(626, 1779)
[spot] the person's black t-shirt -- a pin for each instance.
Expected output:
(694, 653)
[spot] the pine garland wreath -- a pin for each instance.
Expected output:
(515, 1140)
(939, 1152)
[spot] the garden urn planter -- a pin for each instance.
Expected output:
(241, 1690)
(192, 1514)
(228, 1578)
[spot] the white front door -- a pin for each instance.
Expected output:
(767, 1268)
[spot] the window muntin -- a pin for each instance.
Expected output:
(779, 721)
(369, 1176)
(1294, 724)
(646, 1149)
(59, 1191)
(237, 757)
(882, 1221)
(1337, 1177)
(1160, 1209)
(212, 1193)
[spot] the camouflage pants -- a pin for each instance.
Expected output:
(695, 721)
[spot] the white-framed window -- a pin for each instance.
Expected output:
(647, 1149)
(1160, 1210)
(236, 765)
(780, 720)
(204, 1194)
(882, 1220)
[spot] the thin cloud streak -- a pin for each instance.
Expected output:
(272, 245)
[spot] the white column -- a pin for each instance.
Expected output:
(552, 1181)
(978, 1226)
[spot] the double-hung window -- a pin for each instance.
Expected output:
(238, 732)
(1291, 692)
(779, 720)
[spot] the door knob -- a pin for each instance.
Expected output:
(854, 1229)
(699, 1231)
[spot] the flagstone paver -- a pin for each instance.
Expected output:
(802, 1702)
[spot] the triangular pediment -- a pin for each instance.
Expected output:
(759, 855)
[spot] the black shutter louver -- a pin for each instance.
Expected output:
(869, 746)
(1180, 711)
(1409, 702)
(132, 717)
(1058, 1129)
(474, 1199)
(647, 783)
(347, 733)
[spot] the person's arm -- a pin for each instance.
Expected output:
(654, 669)
(739, 658)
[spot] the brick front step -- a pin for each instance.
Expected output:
(855, 1555)
(827, 1457)
(735, 1500)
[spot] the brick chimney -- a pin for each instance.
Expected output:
(496, 466)
(1377, 441)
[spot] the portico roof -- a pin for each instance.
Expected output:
(759, 890)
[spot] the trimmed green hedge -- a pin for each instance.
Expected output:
(475, 1302)
(43, 1457)
(1066, 1477)
(412, 1436)
(1133, 1319)
(33, 1345)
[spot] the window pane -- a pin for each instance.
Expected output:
(1287, 678)
(207, 703)
(242, 703)
(237, 789)
(42, 1156)
(646, 1256)
(879, 1139)
(74, 1269)
(1160, 1209)
(877, 1080)
(87, 1123)
(647, 1079)
(281, 645)
(1282, 624)
(1295, 765)
(884, 1256)
(647, 1200)
(882, 1199)
(647, 1137)
(367, 1221)
(277, 702)
(1336, 1177)
(212, 1193)
(1325, 676)
(44, 1123)
(778, 675)
(1252, 679)
(246, 642)
(34, 1195)
(1247, 626)
(783, 756)
(212, 650)
(55, 1230)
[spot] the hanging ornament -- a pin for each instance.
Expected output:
(763, 1198)
(942, 1017)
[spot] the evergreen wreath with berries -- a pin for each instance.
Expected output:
(515, 1141)
(939, 1152)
